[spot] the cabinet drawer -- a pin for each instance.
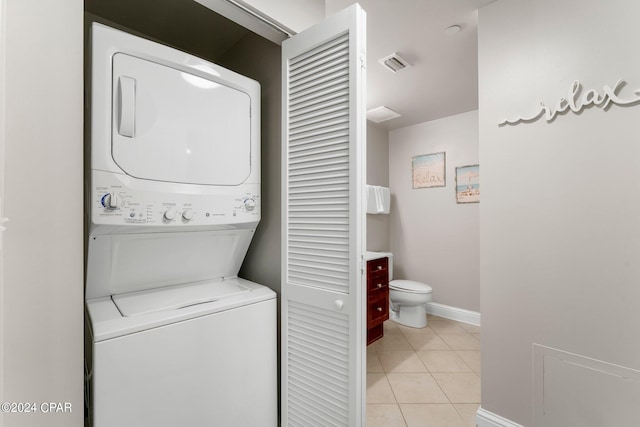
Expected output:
(379, 264)
(378, 310)
(377, 281)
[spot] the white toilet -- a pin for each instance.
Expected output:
(408, 302)
(407, 299)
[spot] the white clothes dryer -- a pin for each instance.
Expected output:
(176, 338)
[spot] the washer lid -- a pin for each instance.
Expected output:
(410, 286)
(176, 297)
(173, 126)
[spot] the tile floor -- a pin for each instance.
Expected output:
(424, 377)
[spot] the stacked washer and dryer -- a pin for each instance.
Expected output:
(176, 338)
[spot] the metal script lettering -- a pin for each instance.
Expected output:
(577, 103)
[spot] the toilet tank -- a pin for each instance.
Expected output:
(369, 255)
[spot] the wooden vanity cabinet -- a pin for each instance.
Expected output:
(377, 297)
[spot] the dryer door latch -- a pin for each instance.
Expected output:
(127, 101)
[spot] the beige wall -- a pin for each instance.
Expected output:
(560, 235)
(435, 240)
(377, 174)
(42, 304)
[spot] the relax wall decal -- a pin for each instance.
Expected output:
(577, 102)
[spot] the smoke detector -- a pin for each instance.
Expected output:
(394, 63)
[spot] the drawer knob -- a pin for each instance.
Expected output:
(379, 285)
(379, 267)
(339, 304)
(379, 308)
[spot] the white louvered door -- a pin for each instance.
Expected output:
(323, 294)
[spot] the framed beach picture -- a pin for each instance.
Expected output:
(468, 184)
(428, 170)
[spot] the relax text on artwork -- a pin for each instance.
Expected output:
(576, 103)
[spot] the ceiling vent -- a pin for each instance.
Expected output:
(394, 63)
(381, 114)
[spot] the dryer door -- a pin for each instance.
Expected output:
(173, 126)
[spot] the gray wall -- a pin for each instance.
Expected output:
(560, 235)
(435, 240)
(182, 24)
(260, 59)
(377, 174)
(42, 303)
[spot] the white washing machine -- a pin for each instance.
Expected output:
(173, 195)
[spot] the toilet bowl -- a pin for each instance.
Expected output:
(408, 302)
(407, 298)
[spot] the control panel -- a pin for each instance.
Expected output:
(116, 203)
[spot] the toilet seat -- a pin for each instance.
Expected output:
(410, 286)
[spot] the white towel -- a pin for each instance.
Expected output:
(378, 199)
(371, 200)
(385, 200)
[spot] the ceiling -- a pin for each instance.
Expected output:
(443, 77)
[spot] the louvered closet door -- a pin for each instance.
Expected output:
(323, 297)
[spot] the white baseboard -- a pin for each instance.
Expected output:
(485, 418)
(454, 313)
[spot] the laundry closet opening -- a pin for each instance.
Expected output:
(192, 28)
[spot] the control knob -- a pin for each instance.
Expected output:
(111, 201)
(187, 215)
(169, 215)
(249, 204)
